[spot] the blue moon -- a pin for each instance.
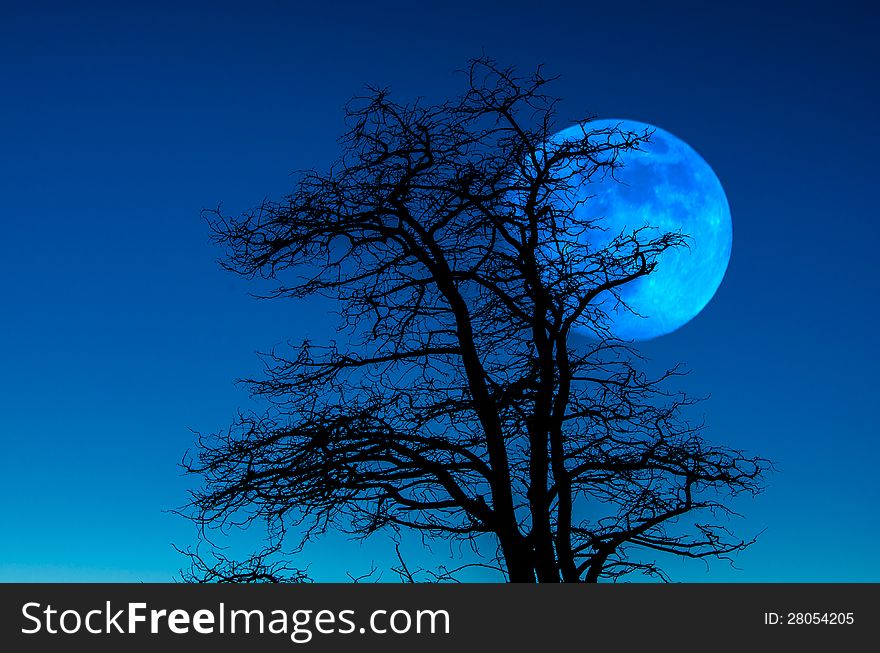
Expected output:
(665, 186)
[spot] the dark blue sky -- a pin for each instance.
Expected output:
(119, 122)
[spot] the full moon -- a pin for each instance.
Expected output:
(665, 186)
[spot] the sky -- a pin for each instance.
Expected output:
(119, 334)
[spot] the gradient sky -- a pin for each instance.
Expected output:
(118, 332)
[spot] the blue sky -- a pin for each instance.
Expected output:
(119, 122)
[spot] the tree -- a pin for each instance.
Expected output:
(460, 406)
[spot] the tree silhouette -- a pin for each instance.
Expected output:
(459, 404)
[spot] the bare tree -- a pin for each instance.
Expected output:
(459, 405)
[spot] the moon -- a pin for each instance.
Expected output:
(666, 186)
